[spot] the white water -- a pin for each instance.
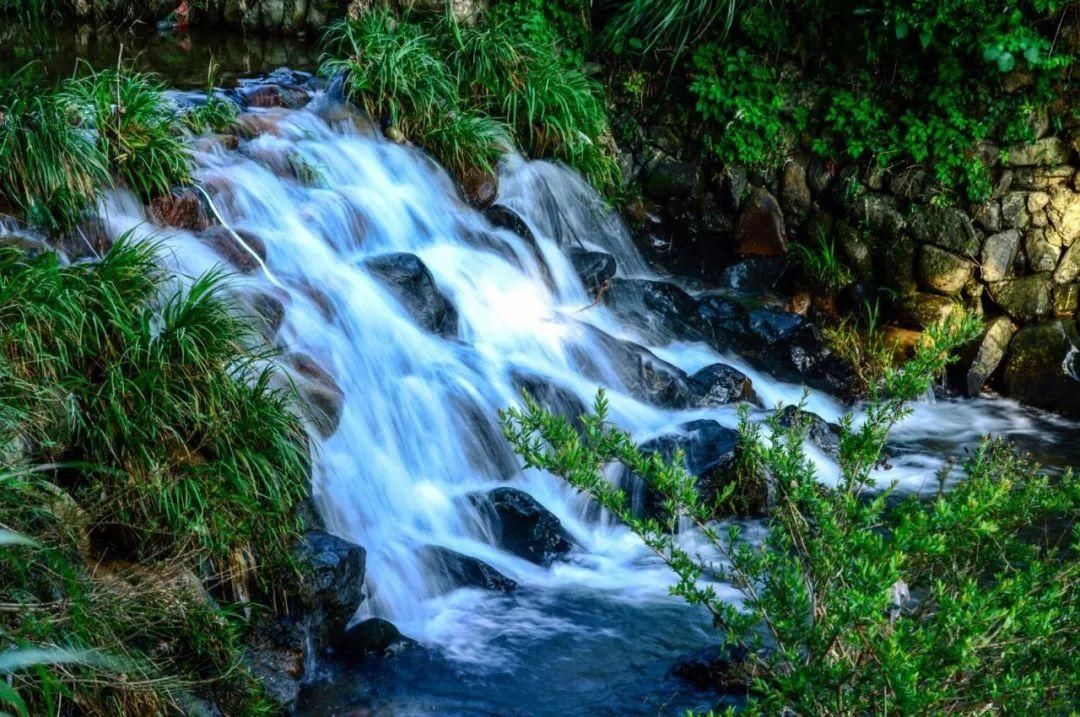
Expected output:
(410, 445)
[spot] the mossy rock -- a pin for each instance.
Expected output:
(1043, 366)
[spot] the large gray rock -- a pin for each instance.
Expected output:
(942, 271)
(989, 354)
(946, 227)
(1025, 298)
(594, 267)
(1043, 366)
(668, 178)
(321, 400)
(881, 214)
(659, 309)
(1014, 213)
(998, 255)
(450, 570)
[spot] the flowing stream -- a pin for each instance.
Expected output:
(595, 633)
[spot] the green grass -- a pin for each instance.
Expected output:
(136, 128)
(50, 171)
(455, 88)
(172, 456)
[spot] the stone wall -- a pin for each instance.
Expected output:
(1014, 260)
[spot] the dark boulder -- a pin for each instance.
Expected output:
(719, 385)
(594, 267)
(644, 376)
(669, 178)
(333, 580)
(372, 637)
(792, 348)
(479, 187)
(660, 310)
(454, 570)
(819, 432)
(721, 320)
(1042, 367)
(721, 668)
(710, 456)
(753, 275)
(522, 526)
(412, 284)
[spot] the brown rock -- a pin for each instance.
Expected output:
(760, 228)
(182, 209)
(479, 187)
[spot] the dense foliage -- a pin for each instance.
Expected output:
(860, 600)
(143, 445)
(882, 81)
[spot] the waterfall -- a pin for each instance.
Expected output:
(418, 428)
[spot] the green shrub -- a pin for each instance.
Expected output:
(136, 128)
(858, 601)
(49, 170)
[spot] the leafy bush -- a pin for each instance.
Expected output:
(859, 601)
(49, 170)
(136, 128)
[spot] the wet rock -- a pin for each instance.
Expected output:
(998, 255)
(645, 376)
(722, 320)
(921, 309)
(721, 668)
(522, 526)
(1025, 298)
(698, 237)
(1068, 269)
(669, 178)
(1043, 366)
(1014, 212)
(753, 275)
(1042, 256)
(268, 312)
(989, 354)
(321, 400)
(760, 228)
(942, 271)
(454, 570)
(710, 456)
(792, 347)
(881, 214)
(479, 187)
(555, 399)
(946, 227)
(275, 657)
(1044, 152)
(243, 254)
(720, 385)
(504, 217)
(272, 95)
(29, 248)
(988, 216)
(794, 189)
(1066, 300)
(1064, 215)
(333, 579)
(819, 432)
(374, 636)
(183, 209)
(594, 267)
(412, 284)
(660, 310)
(894, 264)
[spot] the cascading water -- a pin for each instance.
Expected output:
(418, 427)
